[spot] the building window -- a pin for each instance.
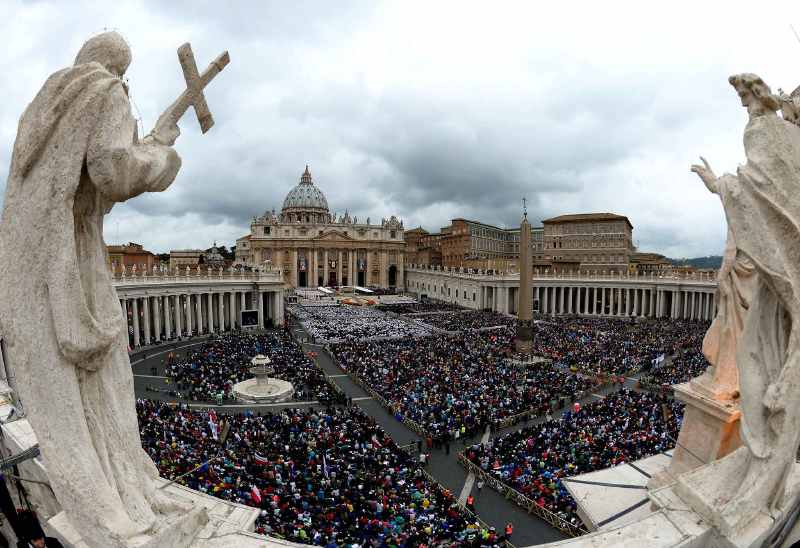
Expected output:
(267, 230)
(393, 234)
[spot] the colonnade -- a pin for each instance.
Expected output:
(654, 302)
(591, 295)
(165, 316)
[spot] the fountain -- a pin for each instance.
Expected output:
(263, 388)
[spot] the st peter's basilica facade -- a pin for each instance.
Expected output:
(313, 248)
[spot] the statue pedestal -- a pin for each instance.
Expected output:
(711, 492)
(710, 431)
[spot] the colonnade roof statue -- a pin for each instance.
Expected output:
(77, 154)
(752, 488)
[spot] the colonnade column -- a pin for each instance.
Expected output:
(199, 313)
(569, 300)
(221, 310)
(156, 318)
(546, 300)
(189, 324)
(178, 312)
(561, 300)
(602, 301)
(232, 309)
(146, 303)
(167, 316)
(210, 312)
(135, 322)
(339, 267)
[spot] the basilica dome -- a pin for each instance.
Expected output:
(305, 197)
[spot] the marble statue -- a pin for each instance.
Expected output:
(762, 206)
(77, 154)
(735, 285)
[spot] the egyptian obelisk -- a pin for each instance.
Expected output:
(525, 302)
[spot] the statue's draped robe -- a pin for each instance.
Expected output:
(76, 153)
(735, 283)
(762, 205)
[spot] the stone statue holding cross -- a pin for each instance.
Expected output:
(76, 154)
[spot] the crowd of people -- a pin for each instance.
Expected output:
(613, 345)
(348, 323)
(686, 365)
(329, 477)
(418, 308)
(455, 385)
(623, 427)
(464, 320)
(210, 371)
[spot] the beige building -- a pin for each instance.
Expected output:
(471, 244)
(598, 241)
(314, 248)
(181, 258)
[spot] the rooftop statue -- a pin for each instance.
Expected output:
(761, 274)
(77, 154)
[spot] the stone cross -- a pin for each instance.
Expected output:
(195, 83)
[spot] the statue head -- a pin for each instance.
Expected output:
(109, 49)
(755, 94)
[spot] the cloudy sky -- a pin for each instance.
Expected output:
(428, 110)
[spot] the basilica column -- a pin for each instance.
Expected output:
(384, 261)
(259, 295)
(326, 268)
(293, 272)
(339, 267)
(135, 322)
(401, 271)
(569, 300)
(232, 309)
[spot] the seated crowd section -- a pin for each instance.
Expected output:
(329, 477)
(623, 427)
(456, 383)
(613, 345)
(210, 371)
(687, 364)
(346, 323)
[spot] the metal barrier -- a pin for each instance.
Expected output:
(522, 500)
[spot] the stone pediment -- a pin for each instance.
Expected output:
(333, 236)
